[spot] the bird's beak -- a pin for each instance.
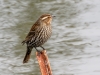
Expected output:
(53, 16)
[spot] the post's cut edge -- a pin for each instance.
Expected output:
(44, 63)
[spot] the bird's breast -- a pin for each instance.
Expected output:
(42, 34)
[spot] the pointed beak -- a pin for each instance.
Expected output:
(53, 16)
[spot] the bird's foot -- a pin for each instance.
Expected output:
(42, 47)
(39, 52)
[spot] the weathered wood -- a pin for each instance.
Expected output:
(44, 63)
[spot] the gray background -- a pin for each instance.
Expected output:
(73, 49)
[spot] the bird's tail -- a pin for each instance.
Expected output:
(27, 56)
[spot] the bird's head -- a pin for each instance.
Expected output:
(46, 18)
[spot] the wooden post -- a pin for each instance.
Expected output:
(44, 63)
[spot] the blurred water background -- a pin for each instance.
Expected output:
(73, 49)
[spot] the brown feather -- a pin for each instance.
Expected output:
(39, 33)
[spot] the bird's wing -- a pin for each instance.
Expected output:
(31, 34)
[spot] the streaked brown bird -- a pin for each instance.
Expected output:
(38, 35)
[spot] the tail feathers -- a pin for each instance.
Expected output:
(27, 56)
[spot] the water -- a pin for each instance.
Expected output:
(74, 48)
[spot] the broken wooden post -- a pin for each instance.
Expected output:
(44, 63)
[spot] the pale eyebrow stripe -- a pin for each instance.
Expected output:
(44, 18)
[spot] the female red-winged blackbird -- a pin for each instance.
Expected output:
(38, 35)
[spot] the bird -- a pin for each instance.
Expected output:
(39, 33)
